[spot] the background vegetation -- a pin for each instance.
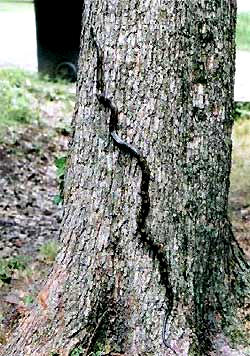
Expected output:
(243, 31)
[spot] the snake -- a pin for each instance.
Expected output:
(126, 147)
(120, 143)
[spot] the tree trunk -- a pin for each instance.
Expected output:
(149, 265)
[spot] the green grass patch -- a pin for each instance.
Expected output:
(23, 94)
(16, 106)
(240, 182)
(48, 251)
(243, 31)
(16, 98)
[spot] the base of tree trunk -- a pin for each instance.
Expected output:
(42, 333)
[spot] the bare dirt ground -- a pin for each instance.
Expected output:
(28, 217)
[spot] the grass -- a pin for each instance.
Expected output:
(243, 31)
(240, 181)
(15, 101)
(23, 95)
(48, 251)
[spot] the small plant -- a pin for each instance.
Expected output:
(242, 110)
(100, 350)
(78, 351)
(8, 266)
(28, 300)
(18, 262)
(60, 164)
(97, 353)
(48, 251)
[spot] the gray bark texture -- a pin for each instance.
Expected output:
(168, 288)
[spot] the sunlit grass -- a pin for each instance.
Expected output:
(24, 94)
(49, 250)
(15, 98)
(240, 174)
(243, 31)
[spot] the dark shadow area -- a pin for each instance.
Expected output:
(58, 25)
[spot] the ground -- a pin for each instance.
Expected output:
(29, 217)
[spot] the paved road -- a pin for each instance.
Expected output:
(243, 5)
(242, 76)
(18, 46)
(18, 38)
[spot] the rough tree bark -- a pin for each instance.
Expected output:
(169, 68)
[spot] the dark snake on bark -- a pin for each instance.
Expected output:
(121, 144)
(145, 179)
